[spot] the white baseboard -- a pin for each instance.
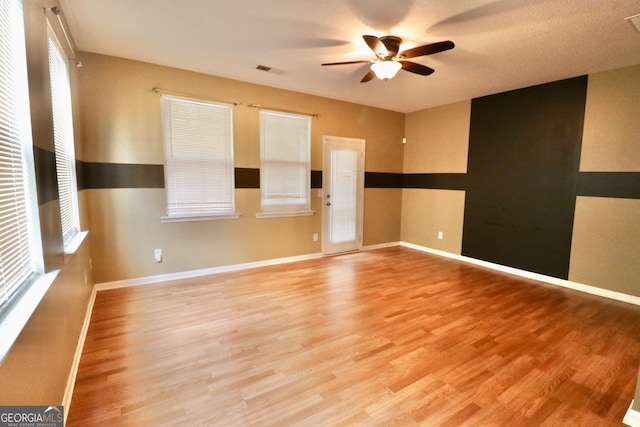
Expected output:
(75, 364)
(380, 246)
(593, 290)
(632, 418)
(203, 272)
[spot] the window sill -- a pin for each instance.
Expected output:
(73, 245)
(187, 218)
(284, 214)
(15, 315)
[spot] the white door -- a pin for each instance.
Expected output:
(343, 193)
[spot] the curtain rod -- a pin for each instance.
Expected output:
(316, 115)
(62, 22)
(186, 95)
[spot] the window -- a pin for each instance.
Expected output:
(198, 147)
(285, 144)
(21, 266)
(64, 141)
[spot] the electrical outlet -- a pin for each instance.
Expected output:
(157, 254)
(315, 237)
(440, 235)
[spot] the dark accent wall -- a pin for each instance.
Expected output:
(438, 181)
(119, 175)
(623, 185)
(316, 179)
(522, 176)
(247, 178)
(382, 180)
(112, 175)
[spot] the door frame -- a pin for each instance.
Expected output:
(327, 141)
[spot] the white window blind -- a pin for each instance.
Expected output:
(20, 255)
(199, 170)
(285, 144)
(63, 140)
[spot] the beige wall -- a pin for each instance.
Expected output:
(382, 215)
(121, 124)
(612, 122)
(438, 139)
(605, 250)
(437, 142)
(427, 212)
(636, 401)
(36, 369)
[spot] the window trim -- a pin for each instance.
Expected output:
(21, 305)
(284, 214)
(188, 218)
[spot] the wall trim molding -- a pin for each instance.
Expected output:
(380, 246)
(203, 272)
(593, 290)
(632, 418)
(75, 364)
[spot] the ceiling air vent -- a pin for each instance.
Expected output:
(634, 21)
(270, 70)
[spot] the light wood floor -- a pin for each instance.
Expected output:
(385, 337)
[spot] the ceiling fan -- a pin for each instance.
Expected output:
(389, 60)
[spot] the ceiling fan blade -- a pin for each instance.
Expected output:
(370, 75)
(412, 67)
(346, 62)
(376, 46)
(428, 49)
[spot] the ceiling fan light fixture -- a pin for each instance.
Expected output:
(387, 69)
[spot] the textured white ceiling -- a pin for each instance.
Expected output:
(500, 44)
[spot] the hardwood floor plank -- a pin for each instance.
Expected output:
(385, 337)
